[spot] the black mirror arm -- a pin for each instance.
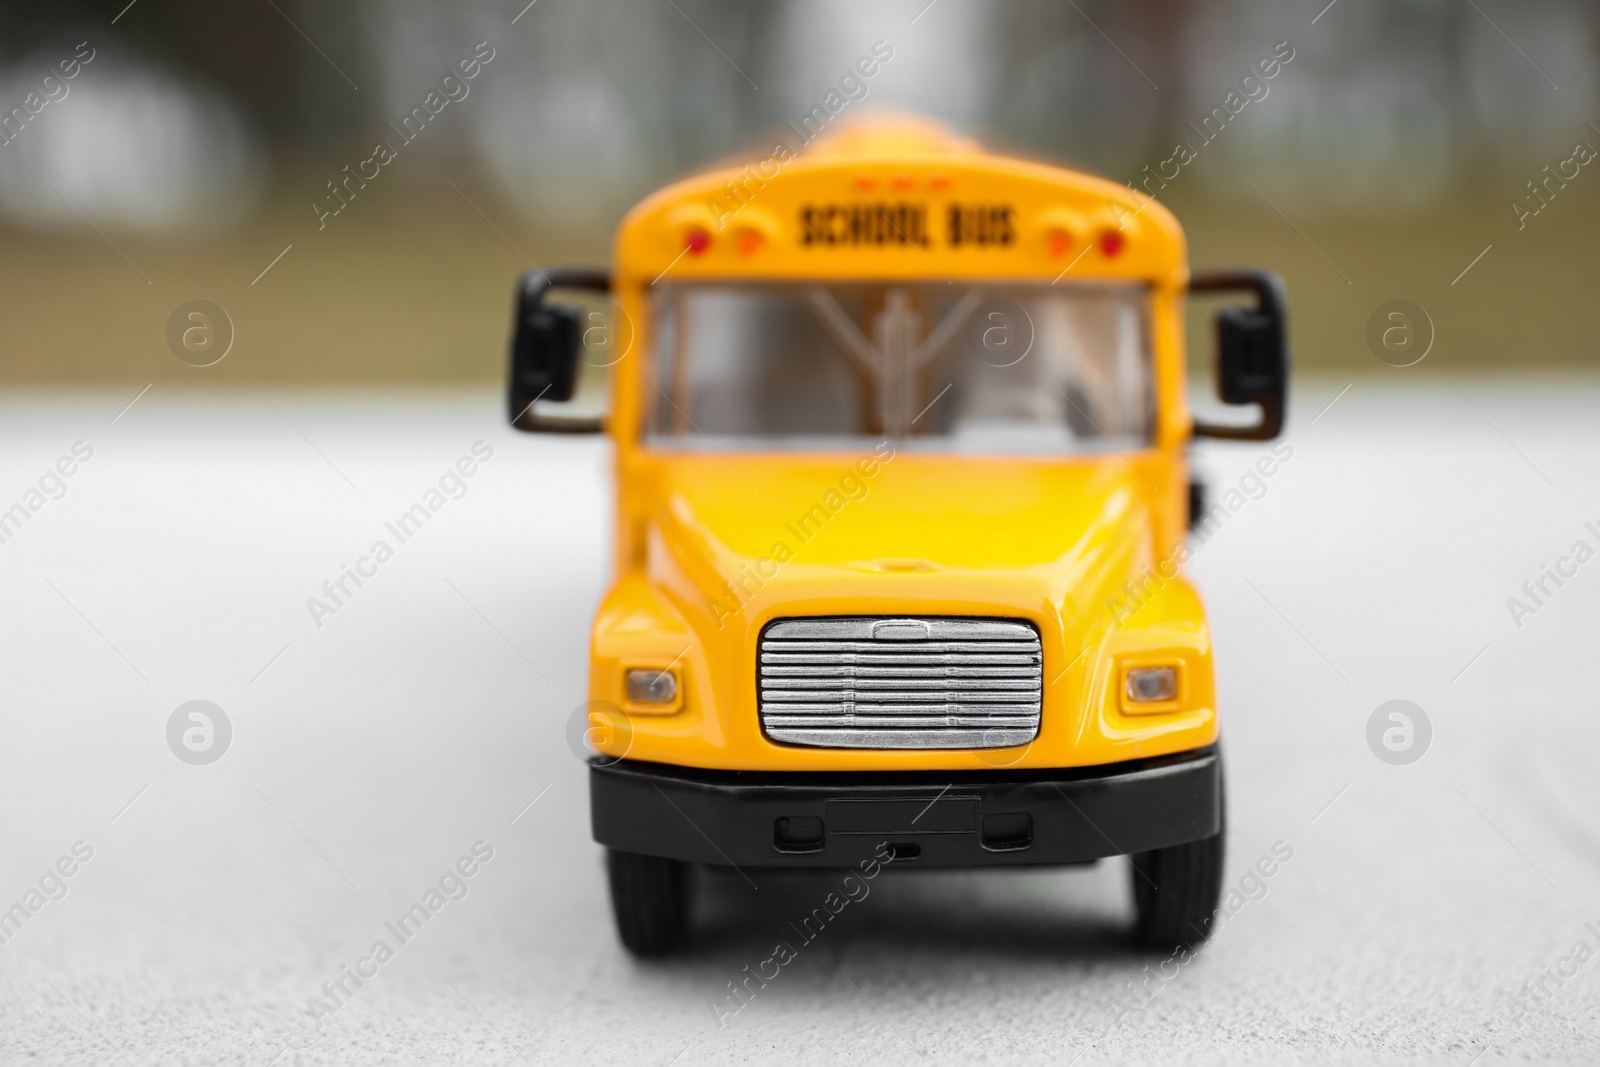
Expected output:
(1269, 426)
(535, 283)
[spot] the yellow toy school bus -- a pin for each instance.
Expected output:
(900, 440)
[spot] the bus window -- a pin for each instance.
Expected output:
(956, 368)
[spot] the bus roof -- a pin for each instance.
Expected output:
(890, 195)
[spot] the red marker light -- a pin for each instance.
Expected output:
(902, 181)
(1111, 242)
(864, 182)
(697, 241)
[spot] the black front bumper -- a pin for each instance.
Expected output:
(937, 819)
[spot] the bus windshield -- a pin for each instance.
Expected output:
(990, 368)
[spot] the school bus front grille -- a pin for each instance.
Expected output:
(898, 682)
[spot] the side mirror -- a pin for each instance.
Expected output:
(1252, 353)
(545, 342)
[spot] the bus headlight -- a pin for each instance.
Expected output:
(1151, 685)
(651, 688)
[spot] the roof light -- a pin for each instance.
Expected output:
(697, 241)
(1062, 230)
(750, 240)
(1111, 242)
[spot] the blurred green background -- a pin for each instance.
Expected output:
(182, 161)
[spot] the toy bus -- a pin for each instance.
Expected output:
(901, 456)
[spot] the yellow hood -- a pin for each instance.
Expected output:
(743, 539)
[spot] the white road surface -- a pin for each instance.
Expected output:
(1421, 908)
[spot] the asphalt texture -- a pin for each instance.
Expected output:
(1446, 910)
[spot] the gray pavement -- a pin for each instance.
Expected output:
(427, 714)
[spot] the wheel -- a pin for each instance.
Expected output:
(650, 898)
(1176, 891)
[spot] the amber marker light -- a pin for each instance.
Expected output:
(1064, 232)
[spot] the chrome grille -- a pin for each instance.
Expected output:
(900, 682)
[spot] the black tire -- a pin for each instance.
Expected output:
(1176, 891)
(650, 898)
